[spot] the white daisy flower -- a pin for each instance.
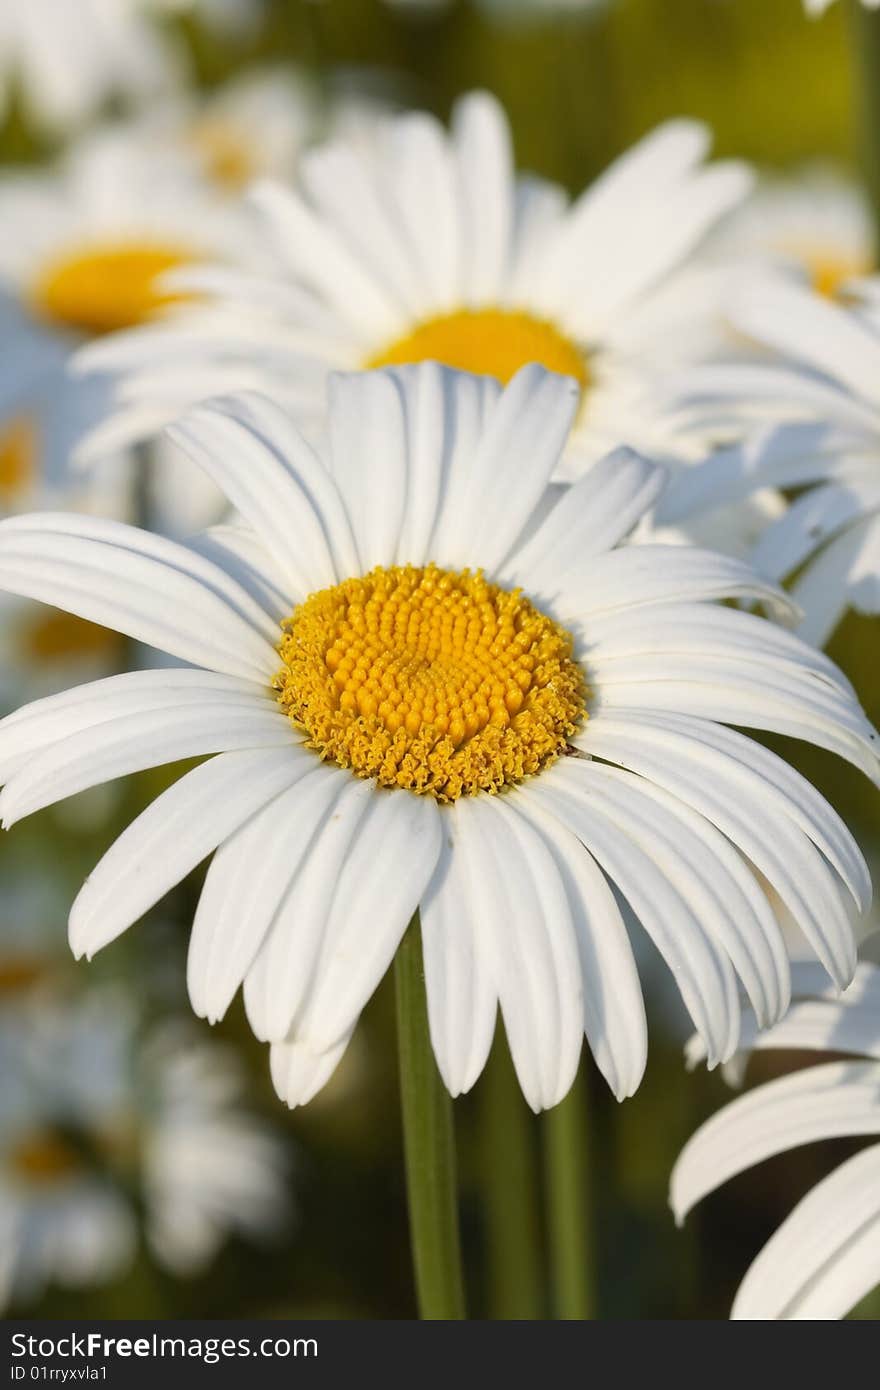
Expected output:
(256, 125)
(87, 1109)
(809, 420)
(816, 223)
(825, 1256)
(81, 249)
(209, 1168)
(394, 636)
(68, 59)
(63, 1219)
(424, 244)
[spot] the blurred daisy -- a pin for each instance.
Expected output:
(254, 126)
(826, 1256)
(810, 420)
(68, 59)
(397, 633)
(817, 224)
(210, 1169)
(90, 1110)
(817, 7)
(81, 250)
(63, 1219)
(426, 245)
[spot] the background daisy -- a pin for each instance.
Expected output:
(428, 245)
(826, 1255)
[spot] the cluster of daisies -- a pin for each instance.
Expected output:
(458, 530)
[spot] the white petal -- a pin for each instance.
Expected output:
(238, 551)
(395, 850)
(37, 726)
(368, 458)
(485, 167)
(768, 812)
(826, 1256)
(263, 488)
(507, 475)
(174, 834)
(423, 179)
(709, 874)
(150, 589)
(246, 883)
(299, 1074)
(614, 1011)
(518, 904)
(808, 326)
(702, 973)
(462, 998)
(824, 1102)
(317, 255)
(131, 742)
(590, 518)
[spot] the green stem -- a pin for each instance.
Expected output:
(569, 1202)
(510, 1183)
(429, 1144)
(865, 43)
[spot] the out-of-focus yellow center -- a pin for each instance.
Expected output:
(829, 268)
(57, 636)
(101, 288)
(228, 158)
(18, 973)
(432, 680)
(18, 456)
(489, 342)
(44, 1157)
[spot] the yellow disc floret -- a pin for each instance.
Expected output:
(489, 342)
(431, 680)
(103, 288)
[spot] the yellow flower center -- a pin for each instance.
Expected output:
(19, 973)
(431, 680)
(490, 342)
(828, 268)
(101, 288)
(18, 456)
(227, 157)
(44, 1157)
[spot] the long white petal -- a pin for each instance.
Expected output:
(298, 1074)
(702, 973)
(462, 998)
(144, 586)
(825, 1257)
(174, 834)
(614, 1010)
(823, 1102)
(246, 883)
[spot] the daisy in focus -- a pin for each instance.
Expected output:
(424, 691)
(67, 60)
(808, 419)
(423, 244)
(825, 1257)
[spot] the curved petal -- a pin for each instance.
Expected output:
(837, 1098)
(614, 1010)
(144, 586)
(246, 883)
(174, 834)
(299, 1074)
(826, 1256)
(702, 973)
(462, 998)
